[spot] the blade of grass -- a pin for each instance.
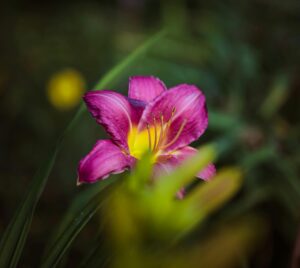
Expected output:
(97, 257)
(14, 238)
(71, 231)
(259, 156)
(222, 121)
(208, 198)
(277, 96)
(116, 71)
(168, 185)
(78, 204)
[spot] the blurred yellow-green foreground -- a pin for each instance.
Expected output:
(244, 55)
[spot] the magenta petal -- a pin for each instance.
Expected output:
(145, 88)
(114, 112)
(189, 119)
(104, 159)
(207, 173)
(167, 163)
(138, 109)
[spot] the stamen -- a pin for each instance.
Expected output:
(155, 134)
(149, 136)
(171, 118)
(160, 139)
(177, 135)
(161, 120)
(168, 124)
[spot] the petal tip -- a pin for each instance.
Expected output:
(144, 77)
(145, 88)
(78, 182)
(104, 159)
(207, 173)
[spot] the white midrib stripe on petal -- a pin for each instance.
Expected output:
(179, 112)
(121, 105)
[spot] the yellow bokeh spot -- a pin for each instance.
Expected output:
(65, 89)
(139, 142)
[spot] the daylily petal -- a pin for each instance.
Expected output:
(114, 112)
(167, 163)
(207, 173)
(138, 108)
(189, 120)
(145, 88)
(104, 159)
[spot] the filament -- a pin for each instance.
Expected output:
(170, 120)
(155, 134)
(149, 136)
(160, 137)
(161, 131)
(176, 136)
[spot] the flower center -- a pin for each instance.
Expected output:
(153, 138)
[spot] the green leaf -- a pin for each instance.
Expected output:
(77, 205)
(277, 96)
(222, 121)
(160, 204)
(211, 196)
(257, 157)
(169, 184)
(123, 65)
(96, 257)
(72, 224)
(14, 238)
(208, 198)
(141, 173)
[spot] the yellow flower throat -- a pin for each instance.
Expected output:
(153, 138)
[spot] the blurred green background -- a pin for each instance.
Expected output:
(244, 55)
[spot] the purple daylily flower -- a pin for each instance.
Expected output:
(150, 118)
